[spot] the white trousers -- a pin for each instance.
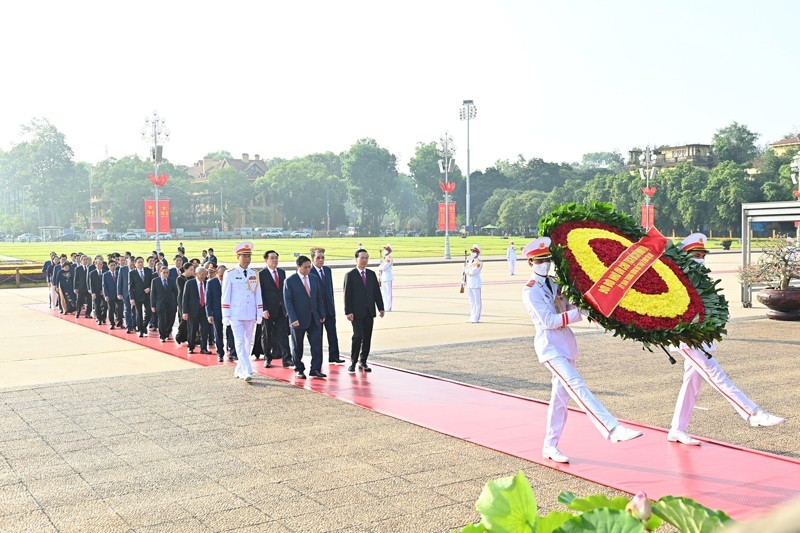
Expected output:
(243, 331)
(567, 383)
(696, 368)
(474, 304)
(512, 264)
(53, 296)
(386, 293)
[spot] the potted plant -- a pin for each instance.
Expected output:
(726, 243)
(776, 268)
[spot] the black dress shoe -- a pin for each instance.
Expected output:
(364, 367)
(112, 326)
(191, 350)
(339, 361)
(233, 357)
(267, 363)
(351, 368)
(300, 375)
(129, 331)
(141, 334)
(220, 358)
(206, 352)
(317, 374)
(286, 364)
(258, 357)
(163, 340)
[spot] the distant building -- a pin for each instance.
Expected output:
(258, 214)
(783, 146)
(698, 155)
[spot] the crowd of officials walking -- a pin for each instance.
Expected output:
(147, 295)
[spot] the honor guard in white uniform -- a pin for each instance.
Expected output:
(473, 270)
(557, 349)
(511, 257)
(242, 307)
(697, 367)
(386, 277)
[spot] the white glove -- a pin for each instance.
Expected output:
(226, 321)
(259, 319)
(584, 312)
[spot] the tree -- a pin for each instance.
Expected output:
(774, 176)
(611, 161)
(520, 212)
(237, 192)
(124, 185)
(371, 175)
(219, 154)
(489, 213)
(735, 143)
(728, 188)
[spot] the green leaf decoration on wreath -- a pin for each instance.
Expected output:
(674, 301)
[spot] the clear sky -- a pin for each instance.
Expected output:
(550, 79)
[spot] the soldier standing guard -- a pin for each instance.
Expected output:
(557, 349)
(242, 307)
(511, 257)
(386, 278)
(473, 271)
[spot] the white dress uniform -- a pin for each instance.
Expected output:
(511, 257)
(557, 349)
(697, 367)
(473, 271)
(242, 306)
(386, 277)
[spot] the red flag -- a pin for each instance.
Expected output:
(150, 216)
(163, 216)
(447, 218)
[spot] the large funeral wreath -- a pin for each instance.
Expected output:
(674, 300)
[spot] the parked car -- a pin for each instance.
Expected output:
(272, 234)
(67, 237)
(302, 234)
(29, 237)
(162, 237)
(129, 236)
(104, 237)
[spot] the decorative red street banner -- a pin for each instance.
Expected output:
(150, 216)
(649, 191)
(607, 292)
(160, 180)
(648, 216)
(449, 186)
(447, 220)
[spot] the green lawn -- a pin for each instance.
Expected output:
(336, 248)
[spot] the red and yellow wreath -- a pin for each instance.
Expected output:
(637, 285)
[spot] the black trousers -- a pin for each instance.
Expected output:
(166, 319)
(219, 335)
(115, 311)
(142, 312)
(314, 333)
(198, 323)
(275, 338)
(333, 339)
(362, 338)
(99, 307)
(83, 298)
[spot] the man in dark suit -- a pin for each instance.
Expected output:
(194, 310)
(304, 306)
(139, 280)
(188, 273)
(211, 259)
(96, 289)
(361, 296)
(177, 270)
(214, 309)
(122, 291)
(111, 296)
(325, 277)
(164, 301)
(275, 327)
(82, 294)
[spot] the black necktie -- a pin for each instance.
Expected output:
(549, 287)
(165, 283)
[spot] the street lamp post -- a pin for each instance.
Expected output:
(468, 111)
(155, 131)
(91, 207)
(795, 167)
(445, 148)
(648, 160)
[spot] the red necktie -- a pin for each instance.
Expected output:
(364, 277)
(308, 289)
(202, 295)
(277, 280)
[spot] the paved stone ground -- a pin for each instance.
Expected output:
(195, 450)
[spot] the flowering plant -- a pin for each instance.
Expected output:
(777, 266)
(673, 301)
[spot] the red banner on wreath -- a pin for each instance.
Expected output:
(150, 216)
(447, 218)
(607, 292)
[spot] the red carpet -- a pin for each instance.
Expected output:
(742, 482)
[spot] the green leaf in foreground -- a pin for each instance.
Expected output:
(508, 504)
(595, 501)
(602, 521)
(553, 521)
(473, 528)
(688, 516)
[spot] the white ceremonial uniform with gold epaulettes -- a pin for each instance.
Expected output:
(242, 305)
(386, 277)
(557, 349)
(473, 271)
